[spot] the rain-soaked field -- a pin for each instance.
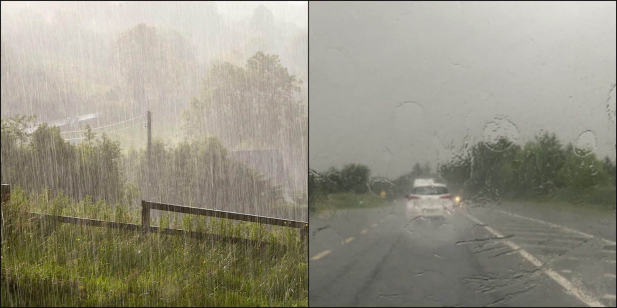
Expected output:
(53, 264)
(196, 104)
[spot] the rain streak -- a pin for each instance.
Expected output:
(154, 153)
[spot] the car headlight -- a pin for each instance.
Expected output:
(457, 199)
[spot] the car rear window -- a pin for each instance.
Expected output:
(430, 190)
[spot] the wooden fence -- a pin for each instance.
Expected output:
(145, 226)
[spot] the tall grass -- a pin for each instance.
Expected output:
(54, 264)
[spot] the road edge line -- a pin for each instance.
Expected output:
(568, 287)
(558, 226)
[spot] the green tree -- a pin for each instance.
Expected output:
(355, 178)
(457, 171)
(492, 172)
(582, 170)
(609, 168)
(541, 163)
(255, 102)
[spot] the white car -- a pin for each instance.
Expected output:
(430, 199)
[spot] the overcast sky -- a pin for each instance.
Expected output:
(394, 83)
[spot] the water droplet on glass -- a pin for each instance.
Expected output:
(586, 143)
(499, 134)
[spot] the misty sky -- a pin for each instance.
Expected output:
(403, 82)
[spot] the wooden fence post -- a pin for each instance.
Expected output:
(145, 217)
(304, 233)
(5, 193)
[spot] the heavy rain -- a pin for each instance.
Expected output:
(154, 153)
(462, 154)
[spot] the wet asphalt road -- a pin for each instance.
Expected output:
(477, 256)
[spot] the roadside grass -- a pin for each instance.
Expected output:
(348, 201)
(592, 202)
(55, 264)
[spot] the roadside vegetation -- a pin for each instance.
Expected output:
(349, 201)
(543, 171)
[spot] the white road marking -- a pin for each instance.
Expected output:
(364, 231)
(569, 288)
(545, 230)
(609, 275)
(558, 226)
(609, 296)
(374, 225)
(545, 239)
(608, 251)
(321, 255)
(536, 233)
(547, 247)
(349, 240)
(566, 271)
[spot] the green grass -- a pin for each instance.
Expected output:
(349, 201)
(593, 201)
(71, 265)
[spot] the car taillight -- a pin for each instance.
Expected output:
(446, 197)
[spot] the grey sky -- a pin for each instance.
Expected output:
(399, 82)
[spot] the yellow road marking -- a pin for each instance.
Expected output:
(321, 255)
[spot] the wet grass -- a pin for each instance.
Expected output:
(54, 264)
(349, 201)
(592, 202)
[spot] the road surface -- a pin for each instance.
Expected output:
(477, 256)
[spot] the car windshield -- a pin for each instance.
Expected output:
(430, 191)
(510, 105)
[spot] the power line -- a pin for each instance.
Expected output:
(117, 130)
(101, 127)
(111, 132)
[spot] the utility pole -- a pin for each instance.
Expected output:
(149, 121)
(148, 150)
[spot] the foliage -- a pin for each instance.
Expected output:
(543, 169)
(355, 178)
(44, 159)
(53, 264)
(540, 170)
(349, 201)
(199, 172)
(258, 101)
(609, 168)
(196, 171)
(582, 172)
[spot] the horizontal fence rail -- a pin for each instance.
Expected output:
(145, 226)
(146, 206)
(224, 214)
(136, 227)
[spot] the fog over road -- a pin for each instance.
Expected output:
(479, 256)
